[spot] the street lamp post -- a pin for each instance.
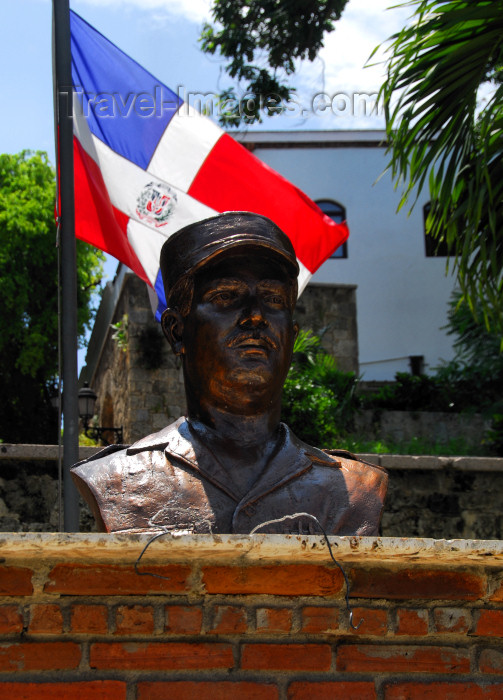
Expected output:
(87, 402)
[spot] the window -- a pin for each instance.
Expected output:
(338, 214)
(434, 248)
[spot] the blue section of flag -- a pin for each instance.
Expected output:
(159, 290)
(127, 107)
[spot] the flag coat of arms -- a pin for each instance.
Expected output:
(146, 164)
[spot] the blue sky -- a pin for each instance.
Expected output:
(162, 35)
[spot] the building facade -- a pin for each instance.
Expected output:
(401, 291)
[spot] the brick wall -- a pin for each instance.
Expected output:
(260, 618)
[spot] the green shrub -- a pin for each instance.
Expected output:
(455, 388)
(414, 446)
(409, 393)
(319, 400)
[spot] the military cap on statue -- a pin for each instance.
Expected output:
(200, 243)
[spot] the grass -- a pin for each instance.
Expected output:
(415, 446)
(456, 447)
(85, 441)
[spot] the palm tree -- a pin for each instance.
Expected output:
(443, 102)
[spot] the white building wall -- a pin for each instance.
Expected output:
(401, 294)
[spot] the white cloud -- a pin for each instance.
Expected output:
(364, 25)
(163, 10)
(341, 64)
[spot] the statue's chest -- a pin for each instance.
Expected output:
(179, 498)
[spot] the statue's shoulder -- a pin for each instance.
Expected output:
(111, 453)
(117, 472)
(160, 440)
(338, 459)
(102, 466)
(109, 463)
(366, 482)
(371, 475)
(355, 462)
(359, 475)
(362, 486)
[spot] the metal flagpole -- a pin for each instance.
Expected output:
(64, 146)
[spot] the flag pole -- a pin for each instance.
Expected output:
(64, 150)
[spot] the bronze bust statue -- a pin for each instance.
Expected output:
(230, 465)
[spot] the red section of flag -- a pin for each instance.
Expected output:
(231, 178)
(97, 221)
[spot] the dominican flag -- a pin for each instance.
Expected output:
(146, 164)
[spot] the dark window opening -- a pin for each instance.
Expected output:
(338, 214)
(416, 363)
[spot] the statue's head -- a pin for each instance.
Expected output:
(231, 286)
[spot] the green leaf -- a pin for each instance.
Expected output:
(439, 137)
(28, 289)
(257, 33)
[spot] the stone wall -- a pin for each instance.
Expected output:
(431, 426)
(143, 380)
(140, 386)
(110, 379)
(443, 497)
(249, 618)
(330, 310)
(29, 489)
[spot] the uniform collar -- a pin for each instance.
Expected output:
(291, 459)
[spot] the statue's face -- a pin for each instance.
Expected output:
(238, 336)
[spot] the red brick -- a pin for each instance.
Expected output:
(45, 619)
(307, 579)
(160, 655)
(39, 656)
(490, 623)
(443, 691)
(414, 659)
(286, 657)
(412, 622)
(183, 619)
(229, 619)
(491, 661)
(343, 690)
(374, 622)
(274, 620)
(318, 620)
(90, 619)
(208, 690)
(134, 619)
(10, 619)
(497, 596)
(15, 580)
(101, 579)
(416, 584)
(452, 620)
(83, 690)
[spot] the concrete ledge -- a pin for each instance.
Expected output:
(39, 452)
(263, 617)
(245, 550)
(432, 462)
(389, 461)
